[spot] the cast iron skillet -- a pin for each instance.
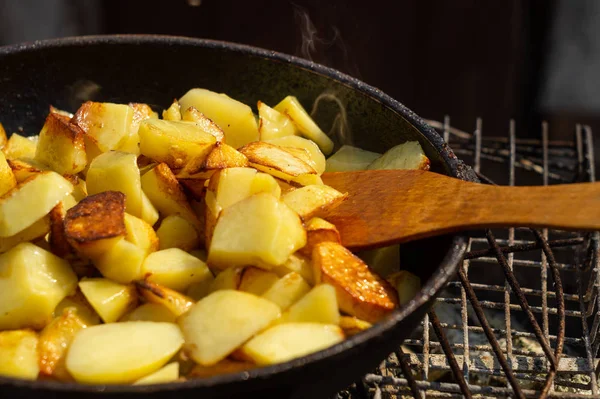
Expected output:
(156, 69)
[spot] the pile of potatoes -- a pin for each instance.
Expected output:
(139, 250)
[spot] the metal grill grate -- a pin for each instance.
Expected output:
(520, 319)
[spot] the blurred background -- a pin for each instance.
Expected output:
(528, 60)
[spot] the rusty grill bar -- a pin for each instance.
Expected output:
(504, 335)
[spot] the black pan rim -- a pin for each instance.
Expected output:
(444, 272)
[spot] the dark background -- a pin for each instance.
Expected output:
(464, 58)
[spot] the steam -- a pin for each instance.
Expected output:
(340, 128)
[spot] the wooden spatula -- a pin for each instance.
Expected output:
(392, 206)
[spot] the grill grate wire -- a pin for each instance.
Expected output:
(504, 335)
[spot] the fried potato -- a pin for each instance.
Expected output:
(273, 124)
(7, 177)
(312, 155)
(78, 303)
(360, 292)
(176, 302)
(109, 299)
(352, 326)
(54, 341)
(285, 342)
(121, 262)
(96, 223)
(59, 245)
(228, 279)
(212, 331)
(23, 170)
(177, 232)
(281, 233)
(272, 158)
(225, 366)
(175, 269)
(18, 351)
(319, 230)
(150, 312)
(32, 282)
(319, 305)
(122, 352)
(173, 113)
(165, 193)
(383, 261)
(168, 373)
(407, 285)
(349, 158)
(313, 200)
(141, 112)
(291, 107)
(224, 156)
(107, 123)
(178, 144)
(30, 201)
(19, 147)
(299, 264)
(235, 118)
(61, 145)
(141, 234)
(37, 230)
(3, 137)
(193, 115)
(287, 290)
(199, 290)
(256, 281)
(408, 155)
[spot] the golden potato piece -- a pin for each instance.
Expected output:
(224, 156)
(319, 305)
(111, 300)
(19, 147)
(107, 124)
(360, 292)
(287, 290)
(176, 232)
(228, 279)
(177, 303)
(168, 373)
(352, 326)
(311, 153)
(274, 157)
(273, 124)
(141, 112)
(349, 158)
(408, 155)
(78, 303)
(299, 264)
(313, 200)
(193, 115)
(58, 239)
(150, 312)
(3, 137)
(23, 170)
(407, 285)
(173, 113)
(175, 269)
(61, 145)
(319, 230)
(18, 351)
(141, 234)
(36, 231)
(256, 281)
(7, 177)
(54, 342)
(96, 223)
(122, 262)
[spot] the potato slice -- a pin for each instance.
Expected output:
(235, 118)
(319, 230)
(313, 200)
(225, 366)
(7, 178)
(96, 224)
(165, 193)
(54, 341)
(173, 113)
(117, 171)
(316, 159)
(122, 352)
(78, 303)
(177, 232)
(61, 145)
(273, 124)
(19, 147)
(349, 158)
(191, 114)
(212, 331)
(319, 305)
(30, 201)
(285, 342)
(169, 373)
(360, 292)
(281, 233)
(407, 285)
(177, 303)
(178, 144)
(408, 155)
(32, 282)
(122, 262)
(299, 264)
(57, 239)
(306, 180)
(175, 269)
(224, 156)
(256, 281)
(108, 124)
(199, 290)
(111, 300)
(141, 112)
(228, 279)
(352, 326)
(18, 351)
(287, 290)
(37, 230)
(150, 312)
(149, 212)
(291, 107)
(141, 234)
(270, 157)
(383, 261)
(23, 170)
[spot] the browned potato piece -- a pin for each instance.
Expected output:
(225, 366)
(96, 223)
(59, 245)
(173, 113)
(256, 281)
(61, 145)
(224, 156)
(193, 115)
(194, 188)
(275, 159)
(177, 303)
(79, 303)
(19, 146)
(3, 137)
(107, 123)
(360, 292)
(352, 326)
(319, 230)
(23, 170)
(54, 342)
(313, 200)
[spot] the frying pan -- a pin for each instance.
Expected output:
(156, 69)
